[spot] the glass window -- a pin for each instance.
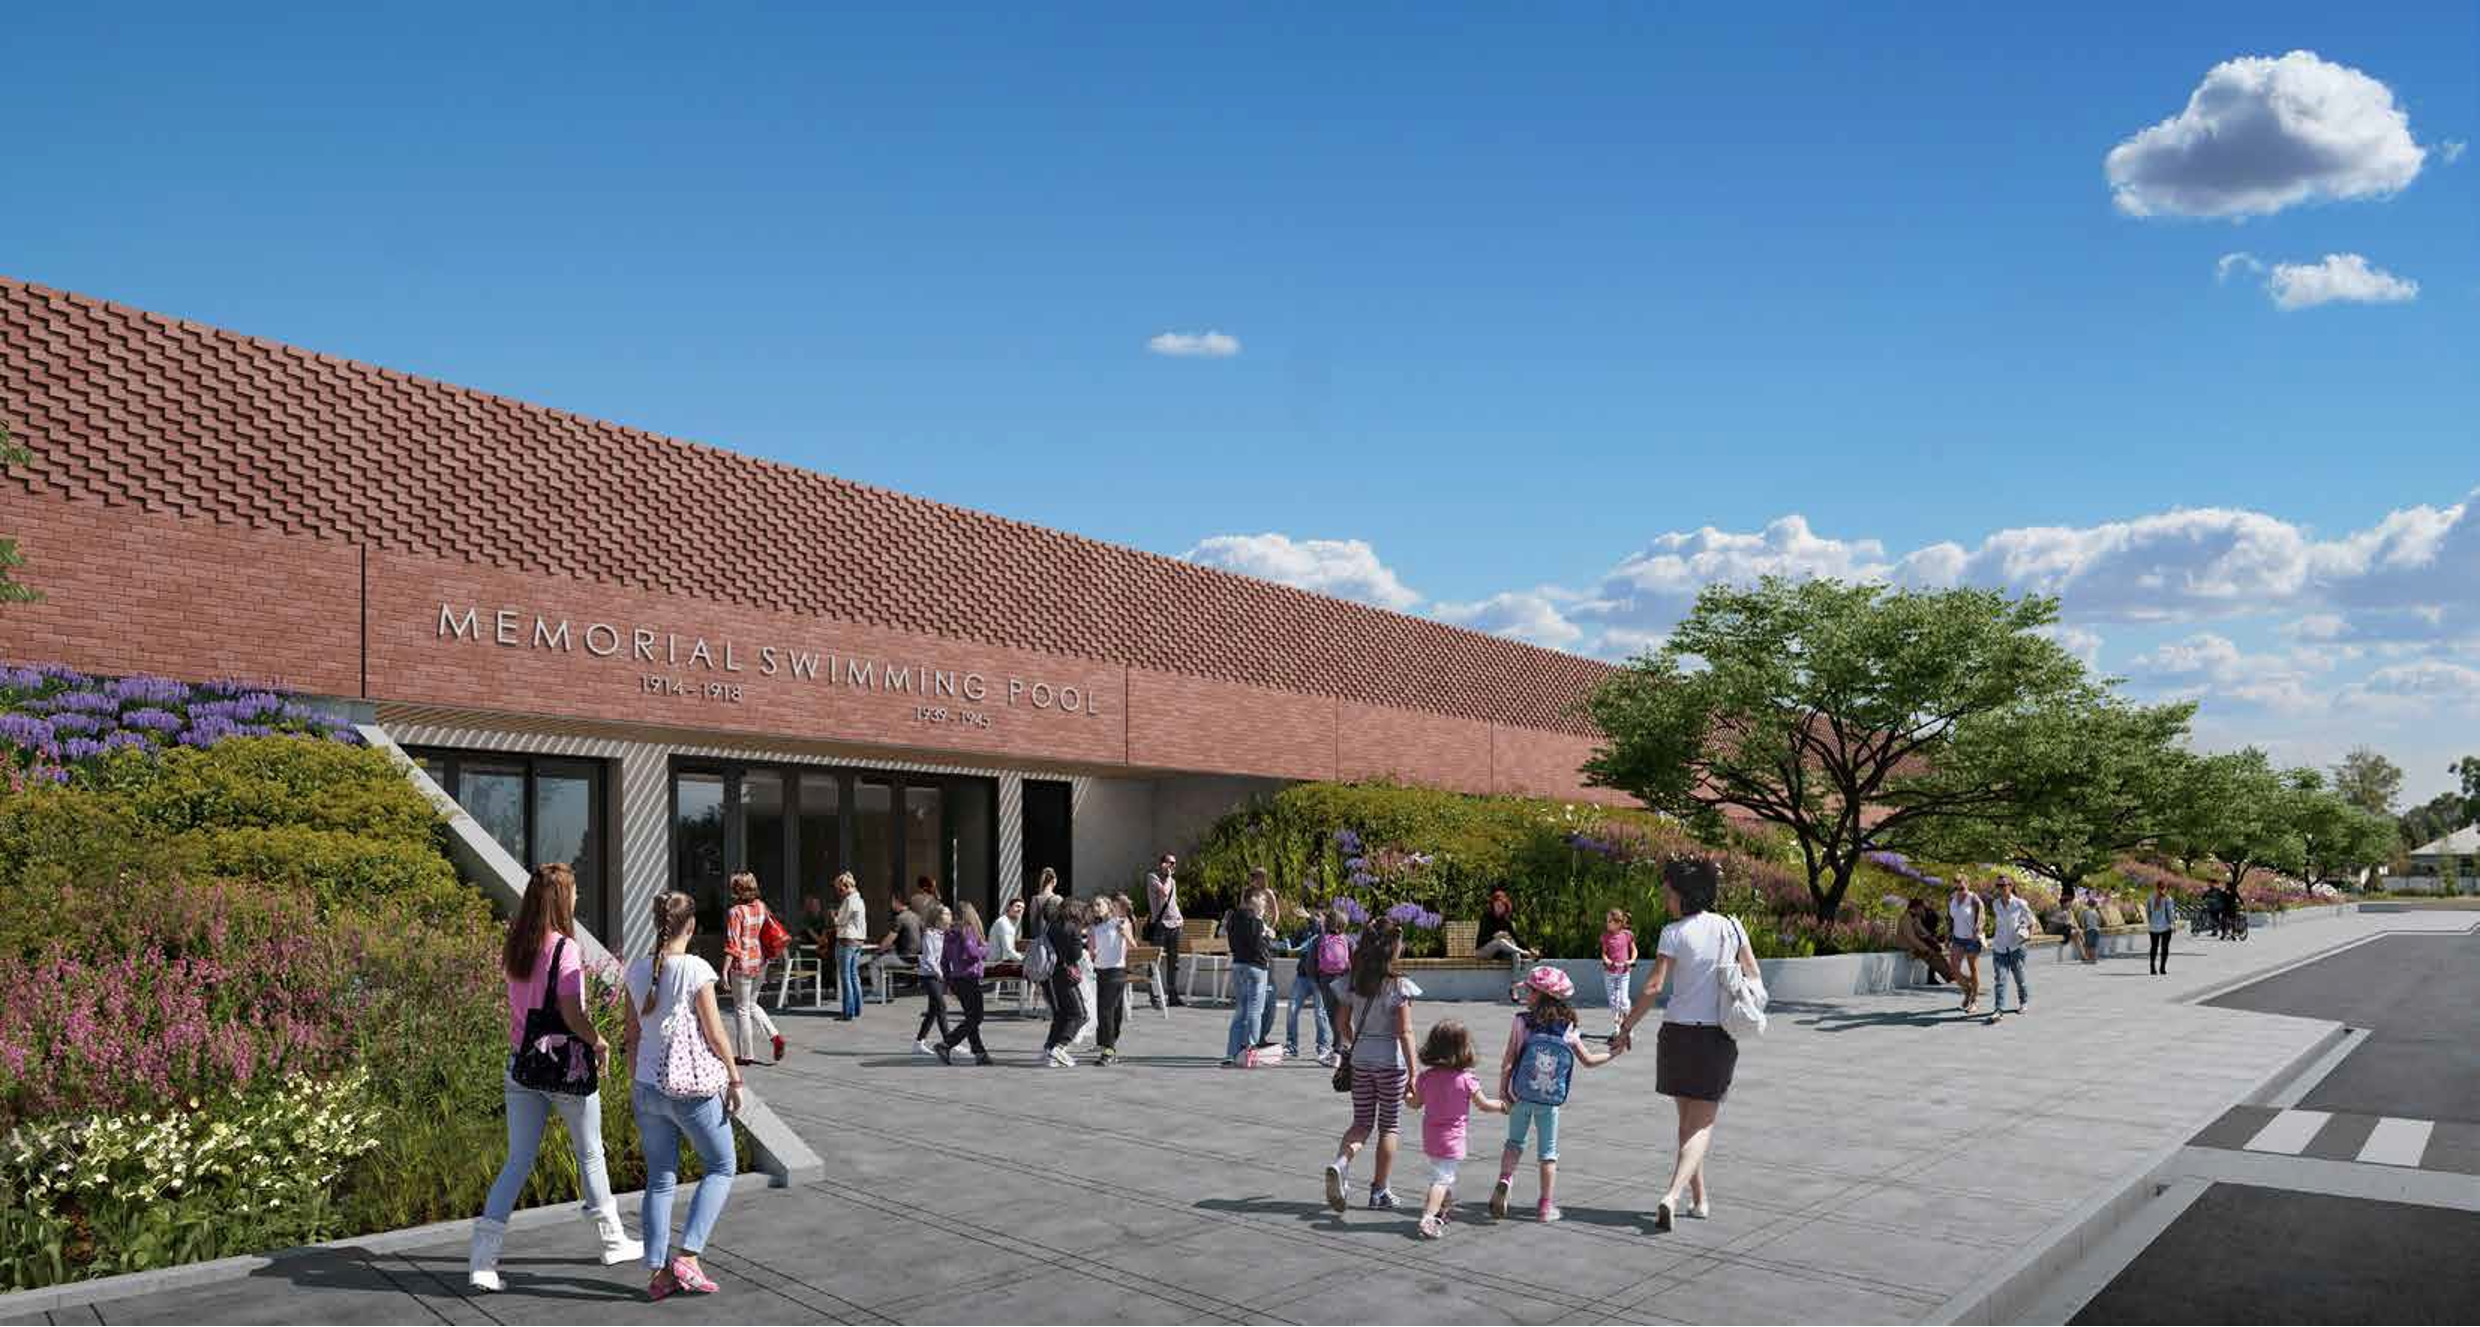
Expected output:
(762, 837)
(1048, 831)
(697, 841)
(822, 847)
(874, 842)
(925, 842)
(566, 821)
(972, 823)
(493, 793)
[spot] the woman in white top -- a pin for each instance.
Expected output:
(673, 983)
(1694, 1058)
(1108, 941)
(1963, 939)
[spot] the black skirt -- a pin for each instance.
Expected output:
(1694, 1060)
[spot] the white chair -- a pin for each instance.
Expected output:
(799, 967)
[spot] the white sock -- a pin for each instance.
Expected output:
(1342, 1164)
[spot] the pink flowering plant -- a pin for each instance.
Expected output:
(254, 1005)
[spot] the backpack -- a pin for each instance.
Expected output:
(1334, 954)
(1039, 960)
(1544, 1066)
(773, 939)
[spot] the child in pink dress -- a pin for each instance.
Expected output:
(1618, 963)
(1446, 1094)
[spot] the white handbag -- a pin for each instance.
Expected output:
(1743, 996)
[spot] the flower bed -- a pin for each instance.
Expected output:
(1386, 846)
(229, 948)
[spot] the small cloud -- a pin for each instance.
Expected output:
(2341, 278)
(2261, 134)
(2233, 262)
(1344, 568)
(1194, 345)
(2451, 151)
(1536, 616)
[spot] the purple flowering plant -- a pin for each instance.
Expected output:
(56, 721)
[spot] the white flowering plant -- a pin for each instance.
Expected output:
(239, 1174)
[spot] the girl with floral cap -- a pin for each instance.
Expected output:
(1543, 1049)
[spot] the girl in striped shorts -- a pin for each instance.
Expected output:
(1375, 1022)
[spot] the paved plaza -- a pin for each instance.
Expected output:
(1879, 1158)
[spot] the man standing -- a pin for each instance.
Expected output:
(851, 932)
(1162, 920)
(2161, 917)
(2010, 924)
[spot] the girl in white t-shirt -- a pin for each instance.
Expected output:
(669, 984)
(1694, 1058)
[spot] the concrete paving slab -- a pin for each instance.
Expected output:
(1867, 1145)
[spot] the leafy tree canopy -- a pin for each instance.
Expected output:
(2369, 781)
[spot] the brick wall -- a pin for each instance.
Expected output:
(204, 503)
(127, 591)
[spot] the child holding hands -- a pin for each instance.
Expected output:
(1543, 1049)
(1446, 1094)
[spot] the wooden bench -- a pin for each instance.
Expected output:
(1461, 938)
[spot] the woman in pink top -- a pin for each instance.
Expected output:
(542, 948)
(744, 965)
(1446, 1094)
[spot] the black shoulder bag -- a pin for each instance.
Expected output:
(551, 1058)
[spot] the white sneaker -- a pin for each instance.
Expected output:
(923, 1048)
(482, 1256)
(1700, 1210)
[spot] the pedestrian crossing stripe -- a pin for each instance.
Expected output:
(2376, 1140)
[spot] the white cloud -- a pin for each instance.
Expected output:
(2417, 690)
(2451, 151)
(1345, 568)
(1538, 616)
(2231, 262)
(2083, 644)
(2341, 278)
(2211, 667)
(2317, 626)
(1194, 345)
(2261, 134)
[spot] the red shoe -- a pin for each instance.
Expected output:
(779, 1048)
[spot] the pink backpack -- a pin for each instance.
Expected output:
(1334, 954)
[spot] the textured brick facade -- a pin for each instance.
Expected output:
(207, 503)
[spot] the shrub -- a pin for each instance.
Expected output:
(239, 1173)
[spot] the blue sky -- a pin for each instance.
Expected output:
(1515, 296)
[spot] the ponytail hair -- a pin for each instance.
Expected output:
(674, 914)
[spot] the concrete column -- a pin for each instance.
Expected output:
(1011, 839)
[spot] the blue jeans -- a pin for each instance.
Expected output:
(1541, 1120)
(848, 977)
(1305, 992)
(1248, 1005)
(528, 1112)
(2002, 962)
(661, 1123)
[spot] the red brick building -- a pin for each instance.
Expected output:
(668, 661)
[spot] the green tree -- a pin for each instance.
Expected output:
(11, 591)
(2468, 770)
(2238, 811)
(2338, 838)
(2367, 780)
(2092, 779)
(1831, 710)
(2432, 820)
